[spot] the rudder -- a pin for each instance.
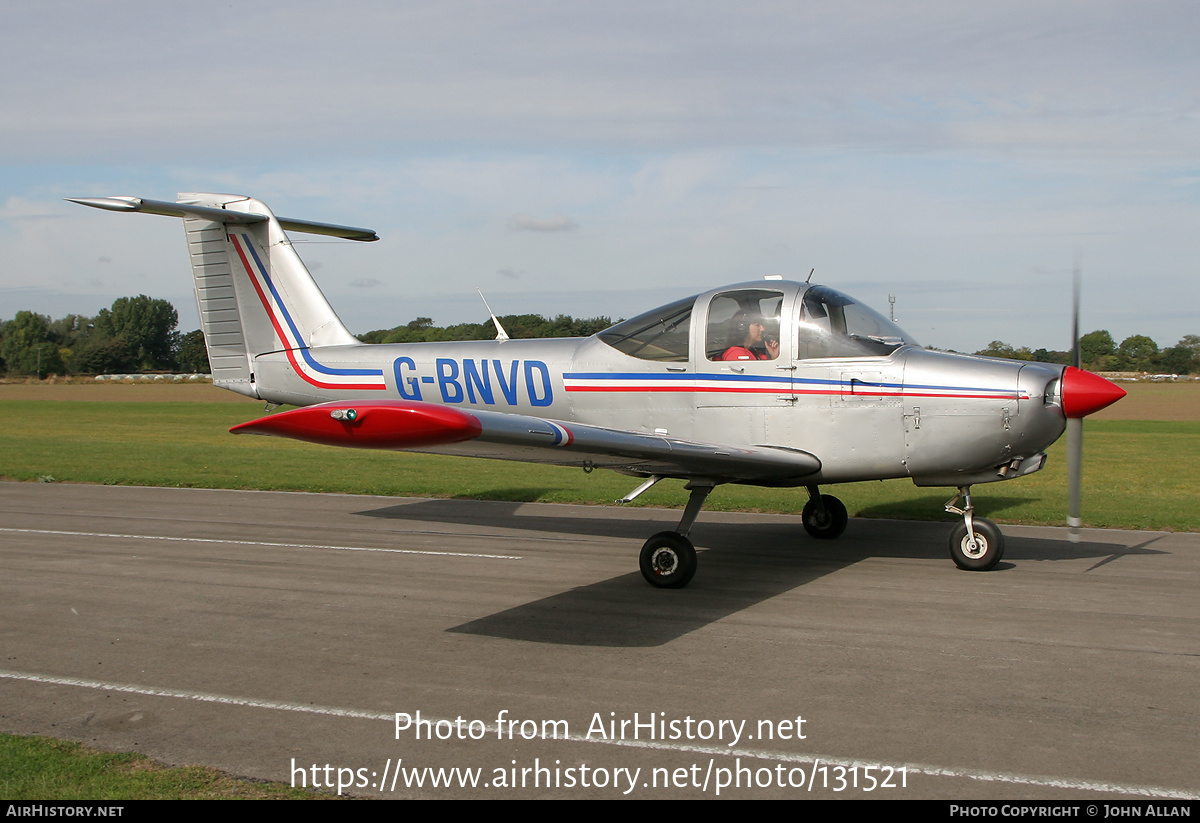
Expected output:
(253, 292)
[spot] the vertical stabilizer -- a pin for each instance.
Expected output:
(253, 292)
(255, 296)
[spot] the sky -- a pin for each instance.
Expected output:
(602, 158)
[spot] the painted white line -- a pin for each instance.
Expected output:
(259, 543)
(202, 697)
(726, 751)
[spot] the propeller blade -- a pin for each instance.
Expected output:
(1075, 316)
(1074, 475)
(1074, 424)
(1082, 394)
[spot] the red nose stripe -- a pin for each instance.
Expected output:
(386, 424)
(1084, 392)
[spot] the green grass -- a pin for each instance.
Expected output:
(1138, 474)
(41, 768)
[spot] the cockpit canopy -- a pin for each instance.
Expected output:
(759, 321)
(661, 334)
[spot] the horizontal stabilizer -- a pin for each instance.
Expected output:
(138, 204)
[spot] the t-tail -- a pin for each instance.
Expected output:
(253, 292)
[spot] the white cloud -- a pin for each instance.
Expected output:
(527, 222)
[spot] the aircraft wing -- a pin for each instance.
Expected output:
(418, 426)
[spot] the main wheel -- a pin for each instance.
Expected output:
(668, 560)
(826, 524)
(989, 546)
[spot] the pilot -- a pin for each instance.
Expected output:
(749, 339)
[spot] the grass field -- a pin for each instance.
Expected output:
(1139, 473)
(41, 768)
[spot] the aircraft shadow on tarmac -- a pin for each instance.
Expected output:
(741, 565)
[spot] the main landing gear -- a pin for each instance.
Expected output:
(668, 559)
(824, 515)
(975, 544)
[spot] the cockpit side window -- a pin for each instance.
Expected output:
(661, 334)
(743, 325)
(834, 325)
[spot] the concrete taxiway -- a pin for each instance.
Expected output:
(267, 634)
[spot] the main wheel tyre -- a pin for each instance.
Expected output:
(668, 560)
(989, 546)
(826, 524)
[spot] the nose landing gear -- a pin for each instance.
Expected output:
(976, 544)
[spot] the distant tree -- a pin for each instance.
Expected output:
(192, 355)
(1097, 351)
(1182, 358)
(998, 348)
(146, 326)
(102, 355)
(1137, 353)
(525, 326)
(28, 348)
(1190, 343)
(1058, 357)
(71, 331)
(1176, 360)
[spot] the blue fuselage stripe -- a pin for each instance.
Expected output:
(299, 341)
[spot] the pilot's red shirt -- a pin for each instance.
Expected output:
(741, 353)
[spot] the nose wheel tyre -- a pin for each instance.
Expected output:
(668, 560)
(826, 524)
(987, 551)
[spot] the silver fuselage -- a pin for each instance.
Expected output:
(939, 418)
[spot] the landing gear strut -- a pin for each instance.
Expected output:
(976, 544)
(668, 559)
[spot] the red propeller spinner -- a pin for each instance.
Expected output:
(1084, 393)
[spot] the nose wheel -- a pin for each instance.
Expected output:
(976, 544)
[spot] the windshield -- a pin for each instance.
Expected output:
(834, 325)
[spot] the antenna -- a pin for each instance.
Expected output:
(501, 334)
(892, 307)
(810, 274)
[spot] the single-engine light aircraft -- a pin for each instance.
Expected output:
(768, 383)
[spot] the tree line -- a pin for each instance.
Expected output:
(1099, 352)
(522, 326)
(138, 334)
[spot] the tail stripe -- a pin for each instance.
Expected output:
(296, 338)
(294, 342)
